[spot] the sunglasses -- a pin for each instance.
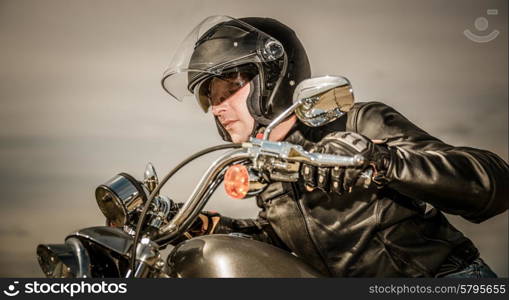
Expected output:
(219, 88)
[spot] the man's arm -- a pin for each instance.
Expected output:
(259, 229)
(465, 181)
(210, 222)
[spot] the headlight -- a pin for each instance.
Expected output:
(57, 261)
(69, 260)
(118, 197)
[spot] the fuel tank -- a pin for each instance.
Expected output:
(231, 256)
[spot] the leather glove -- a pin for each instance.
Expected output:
(344, 179)
(205, 224)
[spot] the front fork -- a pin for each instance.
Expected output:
(149, 263)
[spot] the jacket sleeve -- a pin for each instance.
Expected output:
(464, 181)
(258, 229)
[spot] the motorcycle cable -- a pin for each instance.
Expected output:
(158, 188)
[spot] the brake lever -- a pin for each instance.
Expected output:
(283, 159)
(296, 153)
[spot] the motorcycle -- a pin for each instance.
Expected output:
(140, 222)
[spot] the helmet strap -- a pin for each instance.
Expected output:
(222, 132)
(255, 101)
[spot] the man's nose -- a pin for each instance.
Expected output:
(219, 109)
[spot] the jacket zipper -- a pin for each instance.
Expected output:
(313, 242)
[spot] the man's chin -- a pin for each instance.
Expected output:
(238, 138)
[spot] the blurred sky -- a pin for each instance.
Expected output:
(81, 101)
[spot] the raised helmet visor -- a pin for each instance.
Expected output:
(214, 47)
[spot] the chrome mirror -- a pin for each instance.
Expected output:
(317, 101)
(150, 179)
(323, 99)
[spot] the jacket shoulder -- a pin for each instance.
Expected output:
(373, 119)
(372, 109)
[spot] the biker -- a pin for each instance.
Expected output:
(245, 72)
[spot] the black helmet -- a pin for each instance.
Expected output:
(264, 47)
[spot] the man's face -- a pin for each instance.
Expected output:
(227, 98)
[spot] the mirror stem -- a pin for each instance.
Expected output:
(281, 118)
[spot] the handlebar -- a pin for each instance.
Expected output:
(184, 219)
(253, 151)
(295, 153)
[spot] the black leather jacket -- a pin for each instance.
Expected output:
(385, 232)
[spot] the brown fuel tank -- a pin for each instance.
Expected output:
(230, 256)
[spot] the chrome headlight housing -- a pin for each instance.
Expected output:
(69, 260)
(57, 261)
(119, 197)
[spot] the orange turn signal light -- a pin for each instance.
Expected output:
(236, 181)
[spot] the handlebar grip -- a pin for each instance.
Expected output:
(329, 160)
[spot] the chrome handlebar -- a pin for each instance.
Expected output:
(254, 150)
(200, 196)
(295, 153)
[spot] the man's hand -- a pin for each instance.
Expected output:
(340, 179)
(205, 224)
